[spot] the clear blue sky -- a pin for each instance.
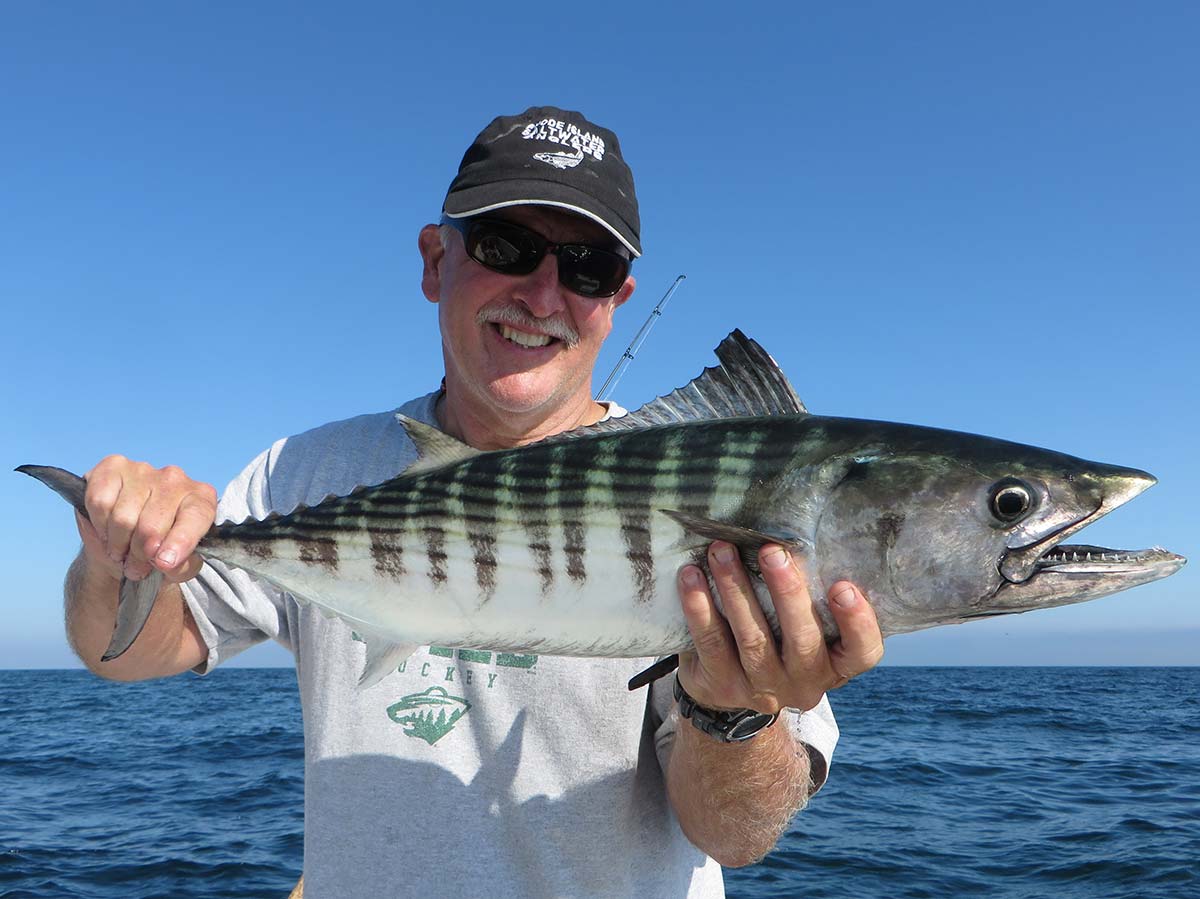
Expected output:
(979, 218)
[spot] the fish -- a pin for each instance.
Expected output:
(561, 160)
(571, 546)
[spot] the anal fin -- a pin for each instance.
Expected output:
(382, 659)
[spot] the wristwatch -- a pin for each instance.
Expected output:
(728, 726)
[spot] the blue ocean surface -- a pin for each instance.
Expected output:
(1006, 782)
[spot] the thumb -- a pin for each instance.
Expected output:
(95, 549)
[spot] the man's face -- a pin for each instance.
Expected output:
(506, 339)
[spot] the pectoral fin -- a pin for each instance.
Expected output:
(747, 540)
(133, 610)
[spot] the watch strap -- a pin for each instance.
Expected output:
(725, 725)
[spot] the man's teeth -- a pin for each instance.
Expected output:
(522, 338)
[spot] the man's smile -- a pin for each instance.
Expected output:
(522, 338)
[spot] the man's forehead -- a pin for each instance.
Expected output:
(557, 224)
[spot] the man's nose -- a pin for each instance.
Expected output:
(540, 291)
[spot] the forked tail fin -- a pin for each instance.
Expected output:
(137, 597)
(70, 487)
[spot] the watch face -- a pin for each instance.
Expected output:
(749, 726)
(724, 725)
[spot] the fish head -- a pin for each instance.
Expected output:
(940, 527)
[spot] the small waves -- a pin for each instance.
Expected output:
(996, 782)
(188, 787)
(1075, 783)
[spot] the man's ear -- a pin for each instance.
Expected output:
(429, 242)
(625, 292)
(610, 306)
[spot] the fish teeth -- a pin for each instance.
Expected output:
(1097, 557)
(523, 338)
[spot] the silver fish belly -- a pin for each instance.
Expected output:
(561, 548)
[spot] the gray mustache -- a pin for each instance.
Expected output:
(518, 318)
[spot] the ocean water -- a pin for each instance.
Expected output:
(1005, 782)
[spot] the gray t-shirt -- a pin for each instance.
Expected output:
(466, 773)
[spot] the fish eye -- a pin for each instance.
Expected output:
(1011, 500)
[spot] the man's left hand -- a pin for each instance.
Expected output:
(738, 663)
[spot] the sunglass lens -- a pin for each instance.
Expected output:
(590, 272)
(509, 250)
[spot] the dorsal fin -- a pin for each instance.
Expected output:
(748, 382)
(435, 448)
(757, 377)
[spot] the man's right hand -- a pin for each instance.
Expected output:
(144, 518)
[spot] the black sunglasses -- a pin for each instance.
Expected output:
(513, 250)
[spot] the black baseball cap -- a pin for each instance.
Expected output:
(548, 156)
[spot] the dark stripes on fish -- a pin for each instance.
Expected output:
(387, 552)
(319, 550)
(575, 545)
(435, 551)
(483, 547)
(634, 492)
(532, 480)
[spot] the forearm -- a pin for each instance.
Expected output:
(169, 643)
(733, 800)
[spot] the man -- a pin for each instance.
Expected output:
(471, 772)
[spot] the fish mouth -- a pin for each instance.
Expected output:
(1108, 491)
(1087, 559)
(1071, 573)
(1051, 573)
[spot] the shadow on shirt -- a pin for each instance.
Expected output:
(400, 827)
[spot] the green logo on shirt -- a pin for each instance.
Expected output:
(432, 713)
(428, 715)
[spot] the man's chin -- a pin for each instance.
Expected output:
(528, 393)
(520, 398)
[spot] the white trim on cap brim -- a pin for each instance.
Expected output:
(577, 209)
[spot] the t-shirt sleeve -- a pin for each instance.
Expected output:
(232, 610)
(816, 730)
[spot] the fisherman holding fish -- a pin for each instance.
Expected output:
(477, 772)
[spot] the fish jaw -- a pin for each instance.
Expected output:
(1068, 574)
(1106, 489)
(1051, 573)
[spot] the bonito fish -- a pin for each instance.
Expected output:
(571, 546)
